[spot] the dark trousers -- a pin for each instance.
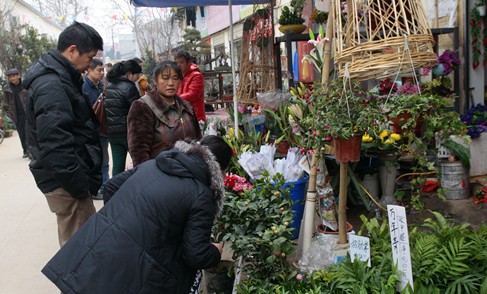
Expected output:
(120, 147)
(20, 124)
(105, 164)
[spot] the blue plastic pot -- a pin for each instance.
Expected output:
(298, 193)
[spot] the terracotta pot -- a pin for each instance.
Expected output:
(401, 119)
(348, 149)
(325, 230)
(283, 147)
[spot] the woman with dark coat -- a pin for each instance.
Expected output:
(160, 118)
(120, 93)
(154, 233)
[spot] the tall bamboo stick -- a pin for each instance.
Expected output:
(311, 194)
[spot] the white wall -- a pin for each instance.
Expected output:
(25, 13)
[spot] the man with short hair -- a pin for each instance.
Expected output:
(62, 128)
(93, 87)
(16, 100)
(192, 88)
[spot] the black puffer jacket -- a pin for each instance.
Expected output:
(154, 233)
(120, 93)
(62, 134)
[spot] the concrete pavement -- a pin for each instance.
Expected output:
(28, 230)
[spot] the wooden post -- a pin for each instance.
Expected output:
(311, 194)
(342, 205)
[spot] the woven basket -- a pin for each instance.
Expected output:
(372, 36)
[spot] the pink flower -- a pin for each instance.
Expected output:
(299, 277)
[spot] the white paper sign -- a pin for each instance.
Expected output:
(359, 248)
(401, 255)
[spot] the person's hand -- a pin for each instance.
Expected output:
(218, 246)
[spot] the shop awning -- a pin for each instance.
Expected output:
(179, 3)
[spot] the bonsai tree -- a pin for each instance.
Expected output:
(292, 15)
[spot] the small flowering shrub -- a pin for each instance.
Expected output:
(257, 223)
(476, 120)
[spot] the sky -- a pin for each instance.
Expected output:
(104, 17)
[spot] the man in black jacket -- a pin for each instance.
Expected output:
(62, 133)
(16, 97)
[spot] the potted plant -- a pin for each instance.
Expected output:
(8, 124)
(447, 62)
(220, 278)
(291, 19)
(257, 223)
(341, 113)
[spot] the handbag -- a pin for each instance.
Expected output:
(99, 109)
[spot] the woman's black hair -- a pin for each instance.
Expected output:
(166, 64)
(121, 68)
(220, 149)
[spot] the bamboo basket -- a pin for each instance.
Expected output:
(373, 34)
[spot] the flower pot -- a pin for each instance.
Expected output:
(387, 175)
(348, 149)
(439, 70)
(399, 121)
(292, 29)
(283, 147)
(481, 10)
(298, 196)
(217, 279)
(454, 180)
(8, 133)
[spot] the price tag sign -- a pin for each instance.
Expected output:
(359, 248)
(401, 255)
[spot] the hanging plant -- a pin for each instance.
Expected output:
(475, 31)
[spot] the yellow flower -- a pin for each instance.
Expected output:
(384, 133)
(395, 137)
(231, 132)
(366, 138)
(389, 141)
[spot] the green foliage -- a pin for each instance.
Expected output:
(445, 258)
(340, 111)
(21, 45)
(257, 225)
(292, 15)
(460, 151)
(191, 42)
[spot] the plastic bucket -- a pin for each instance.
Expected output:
(298, 193)
(454, 180)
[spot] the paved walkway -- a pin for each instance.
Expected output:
(28, 231)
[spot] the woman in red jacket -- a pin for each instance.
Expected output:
(192, 88)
